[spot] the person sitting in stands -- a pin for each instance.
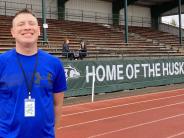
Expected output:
(82, 50)
(66, 50)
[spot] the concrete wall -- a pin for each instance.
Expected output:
(97, 11)
(89, 11)
(137, 16)
(15, 5)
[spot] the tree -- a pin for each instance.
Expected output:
(173, 22)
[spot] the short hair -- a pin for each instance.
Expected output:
(65, 40)
(23, 11)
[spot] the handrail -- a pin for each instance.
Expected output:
(170, 29)
(72, 14)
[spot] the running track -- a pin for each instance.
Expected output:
(155, 115)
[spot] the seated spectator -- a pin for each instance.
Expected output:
(66, 50)
(82, 50)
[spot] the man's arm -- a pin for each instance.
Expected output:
(58, 103)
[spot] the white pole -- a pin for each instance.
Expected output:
(93, 88)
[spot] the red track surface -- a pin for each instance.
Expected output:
(158, 115)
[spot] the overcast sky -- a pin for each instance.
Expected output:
(167, 19)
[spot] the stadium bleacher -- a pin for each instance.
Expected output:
(102, 40)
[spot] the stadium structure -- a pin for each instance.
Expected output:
(128, 46)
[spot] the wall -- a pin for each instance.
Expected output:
(88, 10)
(15, 5)
(81, 10)
(137, 16)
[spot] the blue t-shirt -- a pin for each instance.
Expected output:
(49, 79)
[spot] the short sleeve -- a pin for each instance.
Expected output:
(60, 84)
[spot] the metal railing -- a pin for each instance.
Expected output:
(9, 9)
(169, 28)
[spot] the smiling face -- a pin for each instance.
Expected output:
(25, 30)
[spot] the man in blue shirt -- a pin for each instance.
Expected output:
(32, 84)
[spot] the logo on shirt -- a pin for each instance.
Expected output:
(71, 72)
(38, 78)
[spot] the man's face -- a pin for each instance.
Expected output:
(67, 41)
(25, 29)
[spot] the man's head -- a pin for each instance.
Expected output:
(25, 28)
(66, 41)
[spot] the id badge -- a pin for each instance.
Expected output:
(29, 107)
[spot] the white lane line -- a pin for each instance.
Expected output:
(178, 134)
(126, 114)
(121, 105)
(128, 97)
(134, 126)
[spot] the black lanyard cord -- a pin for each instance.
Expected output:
(28, 85)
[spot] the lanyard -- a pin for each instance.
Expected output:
(28, 85)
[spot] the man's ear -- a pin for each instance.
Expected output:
(12, 32)
(39, 31)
